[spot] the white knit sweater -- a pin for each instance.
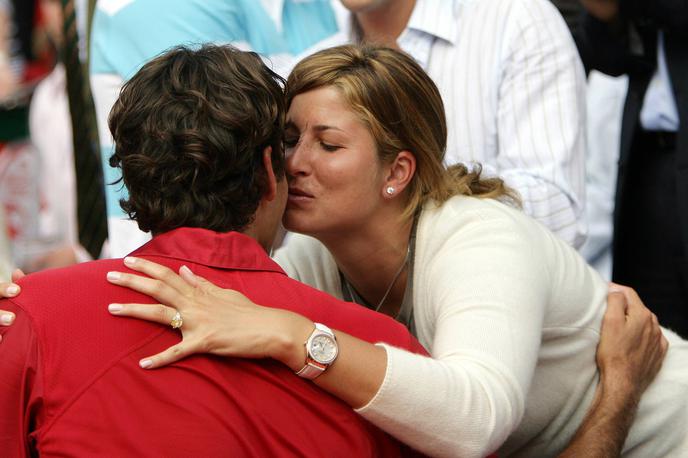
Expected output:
(511, 316)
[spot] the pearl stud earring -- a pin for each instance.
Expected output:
(390, 190)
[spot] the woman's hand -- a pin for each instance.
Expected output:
(8, 290)
(215, 320)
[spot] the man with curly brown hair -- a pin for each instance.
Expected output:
(198, 139)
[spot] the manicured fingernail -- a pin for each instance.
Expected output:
(130, 261)
(7, 318)
(13, 290)
(145, 363)
(185, 269)
(114, 308)
(114, 276)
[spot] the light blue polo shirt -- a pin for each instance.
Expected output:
(128, 33)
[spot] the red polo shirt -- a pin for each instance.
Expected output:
(70, 384)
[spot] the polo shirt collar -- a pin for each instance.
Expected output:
(436, 18)
(274, 8)
(230, 250)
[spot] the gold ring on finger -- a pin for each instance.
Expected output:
(177, 321)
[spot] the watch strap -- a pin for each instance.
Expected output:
(322, 328)
(311, 370)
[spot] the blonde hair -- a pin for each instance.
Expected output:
(403, 109)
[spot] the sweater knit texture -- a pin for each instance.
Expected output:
(511, 315)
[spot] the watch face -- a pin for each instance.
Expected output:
(323, 349)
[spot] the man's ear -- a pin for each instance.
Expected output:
(271, 180)
(401, 172)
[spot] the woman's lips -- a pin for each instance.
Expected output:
(297, 195)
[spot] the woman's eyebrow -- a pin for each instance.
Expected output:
(289, 125)
(322, 127)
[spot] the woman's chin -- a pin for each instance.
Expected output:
(294, 222)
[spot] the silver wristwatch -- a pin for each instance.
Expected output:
(321, 351)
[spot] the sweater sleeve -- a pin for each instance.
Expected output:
(485, 293)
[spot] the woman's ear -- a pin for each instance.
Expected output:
(401, 172)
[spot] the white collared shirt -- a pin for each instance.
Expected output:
(514, 93)
(659, 110)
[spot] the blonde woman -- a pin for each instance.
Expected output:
(510, 314)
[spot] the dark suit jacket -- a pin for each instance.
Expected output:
(629, 45)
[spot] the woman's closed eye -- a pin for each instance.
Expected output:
(329, 147)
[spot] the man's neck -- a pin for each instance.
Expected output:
(255, 232)
(383, 25)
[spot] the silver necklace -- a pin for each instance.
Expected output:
(391, 285)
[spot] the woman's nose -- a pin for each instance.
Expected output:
(298, 159)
